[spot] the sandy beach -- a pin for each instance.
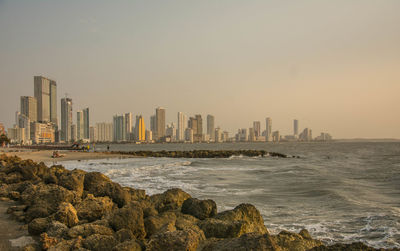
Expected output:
(46, 155)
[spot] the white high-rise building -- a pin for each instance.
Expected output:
(182, 125)
(86, 123)
(104, 132)
(268, 129)
(211, 126)
(66, 119)
(80, 125)
(128, 126)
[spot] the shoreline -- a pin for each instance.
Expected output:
(77, 209)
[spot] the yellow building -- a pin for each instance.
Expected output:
(140, 129)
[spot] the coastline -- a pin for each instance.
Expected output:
(78, 209)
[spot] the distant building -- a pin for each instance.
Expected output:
(128, 126)
(93, 134)
(153, 123)
(211, 126)
(257, 128)
(16, 135)
(242, 135)
(2, 129)
(29, 107)
(74, 133)
(171, 132)
(182, 125)
(306, 135)
(196, 124)
(140, 129)
(149, 136)
(276, 136)
(86, 123)
(189, 135)
(225, 136)
(252, 135)
(119, 128)
(80, 125)
(268, 129)
(104, 132)
(324, 137)
(45, 91)
(160, 123)
(295, 127)
(218, 135)
(42, 133)
(66, 119)
(25, 123)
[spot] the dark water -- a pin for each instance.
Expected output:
(339, 191)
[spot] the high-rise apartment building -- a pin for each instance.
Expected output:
(66, 119)
(211, 126)
(93, 134)
(53, 103)
(196, 124)
(119, 128)
(74, 134)
(128, 126)
(86, 123)
(29, 107)
(182, 125)
(79, 125)
(160, 123)
(295, 127)
(268, 129)
(104, 132)
(257, 128)
(45, 91)
(25, 123)
(140, 129)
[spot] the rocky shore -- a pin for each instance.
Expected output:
(78, 210)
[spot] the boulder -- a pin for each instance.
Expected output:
(98, 242)
(356, 246)
(224, 229)
(94, 208)
(136, 194)
(73, 180)
(129, 217)
(246, 213)
(171, 199)
(86, 230)
(38, 226)
(250, 241)
(130, 245)
(100, 185)
(48, 242)
(123, 235)
(176, 240)
(164, 221)
(57, 229)
(201, 209)
(67, 214)
(292, 241)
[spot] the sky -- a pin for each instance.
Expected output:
(333, 65)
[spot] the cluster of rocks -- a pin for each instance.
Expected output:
(77, 210)
(204, 154)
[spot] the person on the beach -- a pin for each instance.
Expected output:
(108, 148)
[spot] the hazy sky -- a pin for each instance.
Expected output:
(334, 65)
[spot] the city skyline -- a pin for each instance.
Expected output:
(331, 65)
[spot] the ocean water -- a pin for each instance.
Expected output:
(339, 191)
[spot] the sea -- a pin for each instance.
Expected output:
(341, 191)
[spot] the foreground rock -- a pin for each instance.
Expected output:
(76, 210)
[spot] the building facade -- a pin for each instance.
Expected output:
(140, 129)
(29, 107)
(86, 123)
(119, 128)
(268, 129)
(160, 123)
(211, 126)
(104, 132)
(66, 119)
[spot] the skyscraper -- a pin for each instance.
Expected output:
(29, 107)
(53, 102)
(119, 128)
(257, 128)
(104, 132)
(295, 127)
(153, 123)
(80, 134)
(140, 129)
(128, 126)
(66, 119)
(268, 129)
(182, 124)
(42, 95)
(86, 123)
(160, 123)
(211, 127)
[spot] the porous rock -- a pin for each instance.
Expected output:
(171, 199)
(129, 217)
(201, 209)
(94, 208)
(98, 242)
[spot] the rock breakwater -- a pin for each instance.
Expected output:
(77, 210)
